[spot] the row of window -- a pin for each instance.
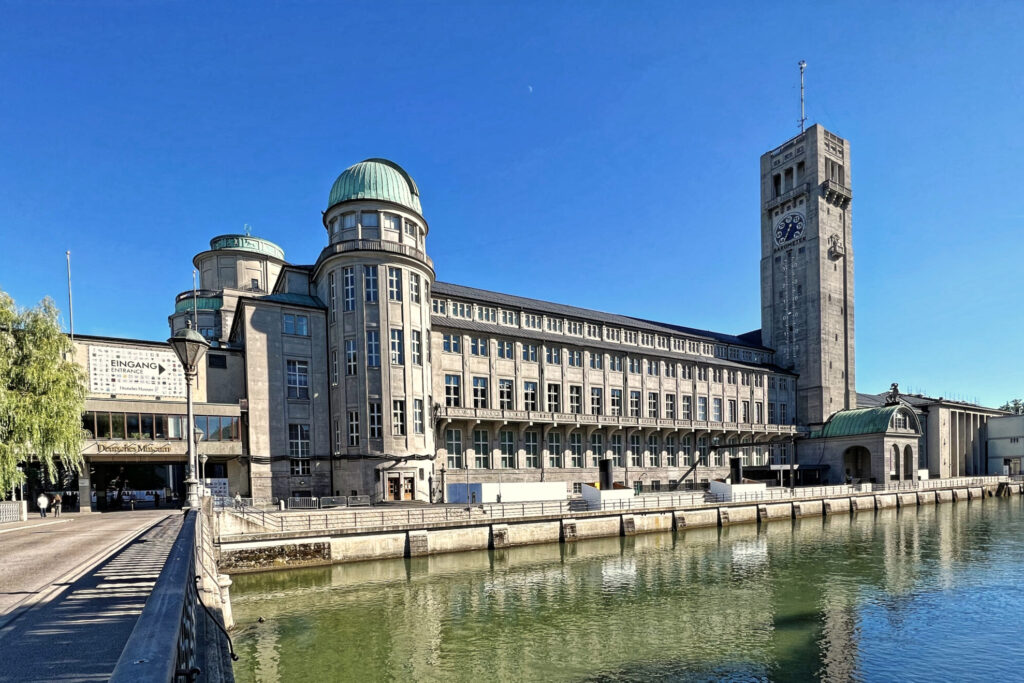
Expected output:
(533, 321)
(104, 425)
(482, 347)
(374, 426)
(657, 404)
(573, 452)
(371, 221)
(370, 285)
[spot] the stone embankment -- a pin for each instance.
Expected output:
(245, 545)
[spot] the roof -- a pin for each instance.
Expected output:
(376, 179)
(858, 421)
(293, 299)
(518, 302)
(247, 243)
(918, 401)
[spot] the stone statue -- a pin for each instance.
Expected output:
(893, 397)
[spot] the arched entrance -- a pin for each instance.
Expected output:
(909, 460)
(857, 464)
(895, 467)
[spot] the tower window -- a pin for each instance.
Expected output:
(788, 185)
(777, 184)
(799, 170)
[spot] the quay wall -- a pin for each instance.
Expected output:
(246, 547)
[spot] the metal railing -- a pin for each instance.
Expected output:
(162, 646)
(10, 511)
(932, 484)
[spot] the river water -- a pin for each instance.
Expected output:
(923, 594)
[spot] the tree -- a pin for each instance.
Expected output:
(1015, 406)
(42, 393)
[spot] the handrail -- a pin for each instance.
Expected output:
(162, 645)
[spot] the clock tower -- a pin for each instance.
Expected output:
(807, 270)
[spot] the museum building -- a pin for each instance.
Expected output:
(361, 374)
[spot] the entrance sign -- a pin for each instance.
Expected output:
(135, 372)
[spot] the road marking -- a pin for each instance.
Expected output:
(54, 588)
(33, 526)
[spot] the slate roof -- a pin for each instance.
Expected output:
(292, 299)
(856, 422)
(586, 314)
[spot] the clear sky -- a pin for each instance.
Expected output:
(601, 154)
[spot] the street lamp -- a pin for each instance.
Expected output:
(190, 347)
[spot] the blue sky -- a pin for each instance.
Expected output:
(560, 149)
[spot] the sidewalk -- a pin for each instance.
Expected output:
(73, 591)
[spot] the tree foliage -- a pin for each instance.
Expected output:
(42, 393)
(1015, 406)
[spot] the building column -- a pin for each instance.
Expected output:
(84, 489)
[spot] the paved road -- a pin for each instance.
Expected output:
(71, 592)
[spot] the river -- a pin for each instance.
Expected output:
(914, 595)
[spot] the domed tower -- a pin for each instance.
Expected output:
(375, 278)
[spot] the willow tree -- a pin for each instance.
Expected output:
(42, 394)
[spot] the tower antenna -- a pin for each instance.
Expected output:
(803, 117)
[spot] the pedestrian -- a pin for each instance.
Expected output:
(57, 502)
(238, 499)
(156, 499)
(42, 501)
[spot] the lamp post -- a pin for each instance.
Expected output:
(190, 347)
(203, 457)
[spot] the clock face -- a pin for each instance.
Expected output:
(789, 228)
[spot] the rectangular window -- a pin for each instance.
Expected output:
(351, 366)
(553, 355)
(507, 444)
(596, 361)
(771, 414)
(298, 378)
(758, 412)
(554, 398)
(652, 404)
(595, 401)
(478, 346)
(370, 283)
(716, 410)
(782, 414)
(417, 415)
(334, 367)
(332, 294)
(634, 366)
(686, 449)
(634, 404)
(451, 343)
(575, 400)
(504, 349)
(298, 441)
(615, 363)
(615, 446)
(653, 367)
(530, 396)
(394, 284)
(509, 318)
(575, 450)
(702, 408)
(685, 404)
(616, 406)
(575, 358)
(337, 435)
(397, 348)
(635, 454)
(670, 406)
(376, 428)
(481, 449)
(531, 447)
(654, 451)
(392, 222)
(702, 450)
(745, 414)
(731, 408)
(348, 278)
(296, 324)
(554, 449)
(398, 418)
(452, 391)
(671, 452)
(530, 352)
(670, 369)
(349, 220)
(596, 449)
(373, 348)
(369, 220)
(506, 394)
(414, 288)
(479, 392)
(716, 375)
(453, 444)
(417, 348)
(353, 428)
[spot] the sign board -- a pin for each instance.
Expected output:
(216, 486)
(130, 371)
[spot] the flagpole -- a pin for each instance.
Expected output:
(71, 305)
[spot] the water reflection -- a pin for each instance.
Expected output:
(838, 598)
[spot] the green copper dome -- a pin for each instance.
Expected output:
(376, 179)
